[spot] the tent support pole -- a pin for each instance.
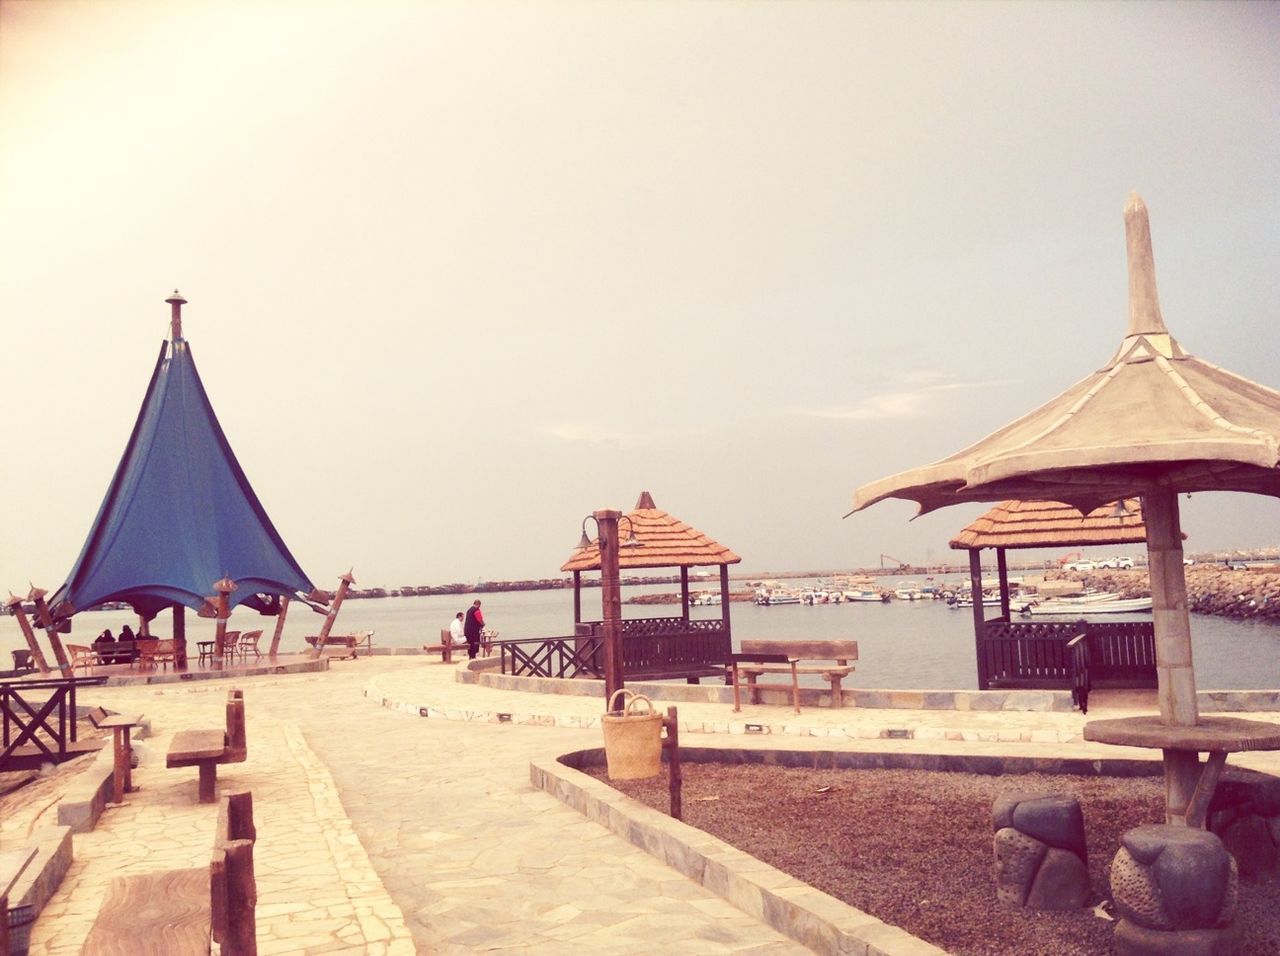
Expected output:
(179, 637)
(1002, 562)
(343, 584)
(37, 655)
(275, 638)
(724, 598)
(46, 621)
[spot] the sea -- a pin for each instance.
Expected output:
(902, 644)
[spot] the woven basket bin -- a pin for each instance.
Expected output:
(632, 741)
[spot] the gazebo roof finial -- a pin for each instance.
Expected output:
(645, 501)
(1144, 304)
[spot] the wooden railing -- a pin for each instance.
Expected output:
(552, 657)
(31, 719)
(1036, 654)
(654, 647)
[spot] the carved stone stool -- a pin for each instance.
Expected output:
(1041, 860)
(1245, 814)
(1175, 893)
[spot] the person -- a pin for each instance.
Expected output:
(105, 647)
(125, 647)
(457, 630)
(472, 628)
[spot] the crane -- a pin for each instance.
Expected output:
(1069, 556)
(898, 561)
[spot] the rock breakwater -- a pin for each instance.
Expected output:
(1211, 589)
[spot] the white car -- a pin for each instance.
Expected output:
(1120, 563)
(1079, 566)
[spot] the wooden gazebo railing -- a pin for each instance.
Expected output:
(652, 649)
(1038, 654)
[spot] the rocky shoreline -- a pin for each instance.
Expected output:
(1215, 589)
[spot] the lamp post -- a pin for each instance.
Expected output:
(610, 591)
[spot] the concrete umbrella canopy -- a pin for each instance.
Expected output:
(1154, 421)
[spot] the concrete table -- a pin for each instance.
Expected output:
(1188, 784)
(120, 727)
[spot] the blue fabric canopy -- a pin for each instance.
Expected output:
(179, 514)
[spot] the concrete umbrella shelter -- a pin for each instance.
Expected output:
(1154, 421)
(1038, 524)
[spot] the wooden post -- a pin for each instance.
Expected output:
(684, 594)
(222, 602)
(610, 600)
(37, 655)
(1003, 565)
(675, 776)
(279, 632)
(144, 627)
(1175, 675)
(344, 583)
(577, 599)
(46, 621)
(975, 585)
(724, 598)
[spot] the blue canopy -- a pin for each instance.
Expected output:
(179, 514)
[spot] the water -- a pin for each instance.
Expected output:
(920, 644)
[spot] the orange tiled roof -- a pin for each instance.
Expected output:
(667, 543)
(1048, 524)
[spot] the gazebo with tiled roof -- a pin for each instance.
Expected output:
(662, 541)
(1045, 524)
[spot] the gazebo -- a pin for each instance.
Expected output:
(654, 648)
(1154, 421)
(180, 526)
(1016, 654)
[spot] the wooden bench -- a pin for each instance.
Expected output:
(208, 748)
(176, 912)
(445, 648)
(785, 657)
(352, 642)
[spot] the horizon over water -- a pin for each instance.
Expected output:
(906, 645)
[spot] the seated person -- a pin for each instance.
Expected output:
(105, 647)
(126, 649)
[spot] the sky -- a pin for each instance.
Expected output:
(460, 273)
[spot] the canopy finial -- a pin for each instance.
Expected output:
(1144, 305)
(176, 302)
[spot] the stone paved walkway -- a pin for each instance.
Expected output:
(381, 831)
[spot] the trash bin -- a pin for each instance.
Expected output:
(20, 920)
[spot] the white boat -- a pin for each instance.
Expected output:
(704, 599)
(867, 594)
(909, 591)
(1115, 605)
(776, 596)
(820, 596)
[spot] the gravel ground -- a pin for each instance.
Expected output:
(913, 848)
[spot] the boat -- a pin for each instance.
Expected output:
(868, 594)
(820, 596)
(704, 599)
(775, 596)
(1114, 605)
(909, 591)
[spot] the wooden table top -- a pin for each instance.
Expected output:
(120, 720)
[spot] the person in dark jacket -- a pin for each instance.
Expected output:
(472, 628)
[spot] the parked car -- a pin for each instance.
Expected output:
(1119, 563)
(1079, 566)
(1188, 561)
(1238, 566)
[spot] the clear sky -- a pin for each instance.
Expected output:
(460, 273)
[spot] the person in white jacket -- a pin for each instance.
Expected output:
(456, 633)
